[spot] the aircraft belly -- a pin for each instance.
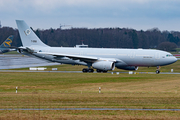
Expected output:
(138, 61)
(147, 62)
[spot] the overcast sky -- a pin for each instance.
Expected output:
(136, 14)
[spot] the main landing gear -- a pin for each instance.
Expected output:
(99, 71)
(158, 70)
(85, 70)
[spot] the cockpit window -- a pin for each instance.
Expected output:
(169, 55)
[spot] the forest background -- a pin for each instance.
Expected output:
(102, 38)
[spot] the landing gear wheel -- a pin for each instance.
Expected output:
(84, 70)
(157, 71)
(104, 71)
(91, 70)
(98, 71)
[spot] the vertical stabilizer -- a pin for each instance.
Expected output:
(7, 43)
(28, 37)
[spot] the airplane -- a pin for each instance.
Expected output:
(101, 59)
(5, 46)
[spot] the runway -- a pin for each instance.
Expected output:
(11, 61)
(101, 109)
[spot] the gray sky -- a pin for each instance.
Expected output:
(136, 14)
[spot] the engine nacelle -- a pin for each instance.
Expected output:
(104, 65)
(128, 67)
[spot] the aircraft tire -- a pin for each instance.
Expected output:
(98, 71)
(157, 71)
(91, 70)
(104, 71)
(84, 70)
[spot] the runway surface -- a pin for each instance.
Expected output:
(111, 109)
(11, 61)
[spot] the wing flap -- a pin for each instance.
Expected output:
(74, 57)
(83, 58)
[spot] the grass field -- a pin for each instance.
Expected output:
(81, 90)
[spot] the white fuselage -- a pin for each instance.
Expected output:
(129, 57)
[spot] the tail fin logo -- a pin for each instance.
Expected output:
(8, 42)
(27, 32)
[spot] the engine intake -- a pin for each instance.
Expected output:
(104, 65)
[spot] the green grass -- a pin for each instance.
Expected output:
(80, 90)
(91, 115)
(132, 91)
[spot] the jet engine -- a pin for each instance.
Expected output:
(128, 67)
(104, 65)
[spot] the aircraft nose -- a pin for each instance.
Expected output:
(174, 59)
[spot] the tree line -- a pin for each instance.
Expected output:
(102, 37)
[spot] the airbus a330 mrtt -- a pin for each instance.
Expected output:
(101, 59)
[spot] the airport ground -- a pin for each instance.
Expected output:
(175, 66)
(81, 90)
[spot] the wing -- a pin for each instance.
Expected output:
(79, 57)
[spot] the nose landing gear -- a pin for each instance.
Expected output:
(158, 70)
